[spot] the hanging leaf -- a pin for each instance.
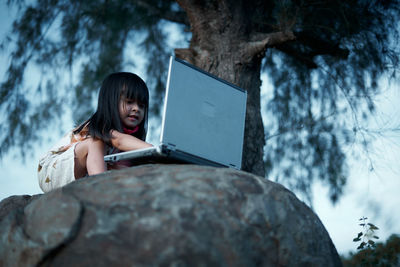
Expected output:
(362, 245)
(372, 226)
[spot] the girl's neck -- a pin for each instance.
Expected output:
(130, 130)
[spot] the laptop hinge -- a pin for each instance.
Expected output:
(171, 147)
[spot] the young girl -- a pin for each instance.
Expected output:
(119, 124)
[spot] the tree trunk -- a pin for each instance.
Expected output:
(222, 45)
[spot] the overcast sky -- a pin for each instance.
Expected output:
(371, 194)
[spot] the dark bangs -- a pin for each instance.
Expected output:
(135, 89)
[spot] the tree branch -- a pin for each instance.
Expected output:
(307, 47)
(262, 41)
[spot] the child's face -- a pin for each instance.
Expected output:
(131, 112)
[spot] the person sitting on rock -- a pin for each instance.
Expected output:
(119, 124)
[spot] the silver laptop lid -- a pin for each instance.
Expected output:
(203, 115)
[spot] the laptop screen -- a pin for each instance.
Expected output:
(203, 115)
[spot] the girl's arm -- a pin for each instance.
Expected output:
(95, 156)
(126, 142)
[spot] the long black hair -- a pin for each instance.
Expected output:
(106, 118)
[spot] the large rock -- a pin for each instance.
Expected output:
(177, 215)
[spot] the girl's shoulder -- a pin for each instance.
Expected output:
(79, 136)
(82, 129)
(69, 139)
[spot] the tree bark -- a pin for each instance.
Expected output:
(222, 45)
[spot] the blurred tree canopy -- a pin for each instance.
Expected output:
(384, 254)
(324, 59)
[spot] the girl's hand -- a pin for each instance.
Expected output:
(126, 142)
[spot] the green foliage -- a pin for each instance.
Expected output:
(367, 235)
(381, 254)
(324, 84)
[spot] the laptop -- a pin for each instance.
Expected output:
(202, 122)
